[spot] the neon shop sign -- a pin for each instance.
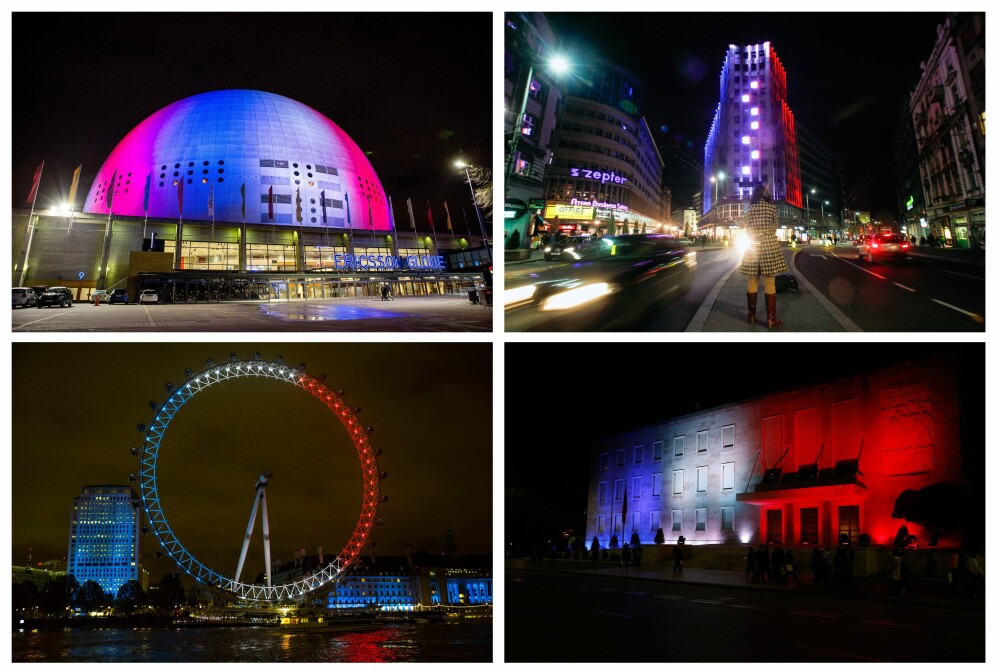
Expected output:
(597, 175)
(379, 262)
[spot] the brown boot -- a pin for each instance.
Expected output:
(772, 320)
(751, 307)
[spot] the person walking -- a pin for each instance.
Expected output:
(763, 257)
(761, 571)
(595, 549)
(626, 555)
(751, 572)
(678, 559)
(777, 564)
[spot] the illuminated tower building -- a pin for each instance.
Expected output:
(752, 139)
(104, 536)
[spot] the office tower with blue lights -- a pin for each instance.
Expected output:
(752, 139)
(104, 536)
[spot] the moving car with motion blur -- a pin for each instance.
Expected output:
(56, 296)
(883, 246)
(617, 284)
(565, 249)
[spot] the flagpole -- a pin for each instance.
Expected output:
(31, 227)
(430, 216)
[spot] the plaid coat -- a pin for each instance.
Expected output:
(763, 256)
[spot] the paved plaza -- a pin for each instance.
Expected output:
(430, 313)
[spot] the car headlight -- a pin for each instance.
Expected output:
(518, 294)
(577, 296)
(547, 249)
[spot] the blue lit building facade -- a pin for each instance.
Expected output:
(104, 540)
(752, 139)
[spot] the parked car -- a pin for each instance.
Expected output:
(883, 246)
(56, 296)
(618, 284)
(119, 295)
(99, 295)
(149, 296)
(24, 297)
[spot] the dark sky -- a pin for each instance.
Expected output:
(597, 390)
(411, 90)
(78, 405)
(848, 76)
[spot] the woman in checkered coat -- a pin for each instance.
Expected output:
(763, 256)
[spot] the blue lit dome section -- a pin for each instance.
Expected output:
(290, 160)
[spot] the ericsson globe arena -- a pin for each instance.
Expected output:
(241, 156)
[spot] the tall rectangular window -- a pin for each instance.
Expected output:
(620, 458)
(656, 485)
(700, 519)
(679, 482)
(636, 487)
(675, 520)
(604, 461)
(703, 441)
(728, 517)
(602, 492)
(806, 432)
(616, 523)
(634, 526)
(809, 524)
(657, 451)
(728, 437)
(600, 523)
(849, 519)
(702, 479)
(654, 521)
(678, 446)
(771, 439)
(728, 475)
(619, 489)
(774, 528)
(638, 455)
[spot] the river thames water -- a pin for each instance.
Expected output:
(403, 642)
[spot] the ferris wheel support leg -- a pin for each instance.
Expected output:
(267, 538)
(246, 539)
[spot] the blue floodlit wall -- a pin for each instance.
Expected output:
(104, 537)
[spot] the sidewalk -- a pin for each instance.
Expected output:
(929, 592)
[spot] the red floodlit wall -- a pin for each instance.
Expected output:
(906, 416)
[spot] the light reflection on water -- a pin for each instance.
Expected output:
(403, 642)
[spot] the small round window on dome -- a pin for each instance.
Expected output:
(313, 201)
(177, 165)
(190, 180)
(163, 167)
(222, 163)
(313, 220)
(309, 174)
(298, 181)
(162, 175)
(295, 165)
(190, 172)
(176, 173)
(204, 163)
(204, 171)
(190, 164)
(222, 170)
(161, 183)
(220, 179)
(130, 174)
(308, 167)
(296, 173)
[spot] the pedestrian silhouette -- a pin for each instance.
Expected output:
(678, 558)
(750, 573)
(626, 555)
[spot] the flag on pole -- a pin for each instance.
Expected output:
(180, 196)
(243, 200)
(270, 203)
(370, 219)
(347, 206)
(430, 217)
(392, 216)
(298, 206)
(624, 509)
(449, 216)
(145, 196)
(34, 183)
(110, 196)
(409, 208)
(75, 184)
(211, 200)
(322, 202)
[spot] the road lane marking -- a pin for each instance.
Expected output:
(909, 289)
(977, 318)
(817, 614)
(715, 602)
(964, 275)
(635, 592)
(41, 319)
(610, 613)
(748, 606)
(835, 313)
(893, 624)
(862, 268)
(669, 597)
(697, 322)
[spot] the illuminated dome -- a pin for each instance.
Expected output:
(214, 143)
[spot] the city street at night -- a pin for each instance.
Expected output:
(645, 615)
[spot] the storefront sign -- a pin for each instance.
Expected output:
(514, 208)
(378, 262)
(597, 175)
(909, 204)
(621, 207)
(569, 211)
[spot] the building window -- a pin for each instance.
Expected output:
(638, 455)
(602, 492)
(728, 517)
(620, 459)
(679, 482)
(619, 489)
(773, 526)
(809, 519)
(636, 487)
(528, 125)
(678, 446)
(635, 524)
(849, 518)
(600, 523)
(656, 485)
(604, 461)
(700, 519)
(657, 451)
(702, 441)
(654, 521)
(728, 437)
(675, 520)
(702, 479)
(616, 523)
(728, 475)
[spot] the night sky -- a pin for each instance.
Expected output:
(411, 90)
(78, 405)
(848, 77)
(598, 390)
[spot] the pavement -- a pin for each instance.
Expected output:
(931, 592)
(807, 310)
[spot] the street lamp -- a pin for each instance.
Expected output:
(479, 215)
(721, 176)
(811, 191)
(822, 216)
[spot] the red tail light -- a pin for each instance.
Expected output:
(874, 244)
(905, 245)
